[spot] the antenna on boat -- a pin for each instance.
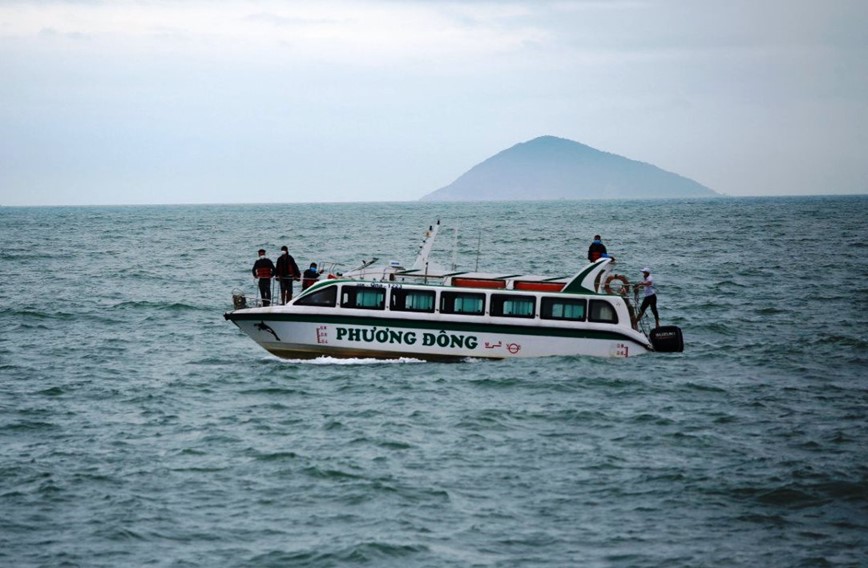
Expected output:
(478, 246)
(455, 251)
(426, 246)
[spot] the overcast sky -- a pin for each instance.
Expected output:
(105, 102)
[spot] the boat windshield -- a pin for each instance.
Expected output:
(325, 298)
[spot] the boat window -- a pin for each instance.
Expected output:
(602, 312)
(513, 306)
(462, 303)
(325, 298)
(404, 300)
(363, 297)
(572, 309)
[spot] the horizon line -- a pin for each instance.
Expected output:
(256, 203)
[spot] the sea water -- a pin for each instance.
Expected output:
(137, 427)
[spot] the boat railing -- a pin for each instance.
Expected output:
(638, 324)
(249, 297)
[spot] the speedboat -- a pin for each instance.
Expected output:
(428, 313)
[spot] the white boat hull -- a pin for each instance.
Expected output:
(301, 336)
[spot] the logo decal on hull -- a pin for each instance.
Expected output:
(262, 326)
(386, 335)
(322, 334)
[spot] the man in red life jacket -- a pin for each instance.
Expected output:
(286, 271)
(263, 269)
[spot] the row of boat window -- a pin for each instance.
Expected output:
(464, 303)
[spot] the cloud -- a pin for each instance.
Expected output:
(366, 32)
(277, 20)
(53, 33)
(747, 97)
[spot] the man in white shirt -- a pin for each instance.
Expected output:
(650, 299)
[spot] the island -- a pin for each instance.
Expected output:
(549, 167)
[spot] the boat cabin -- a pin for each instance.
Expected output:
(486, 300)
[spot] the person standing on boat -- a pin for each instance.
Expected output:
(263, 269)
(650, 299)
(286, 271)
(310, 276)
(596, 250)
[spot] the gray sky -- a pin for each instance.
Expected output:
(210, 101)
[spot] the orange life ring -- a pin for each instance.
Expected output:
(625, 284)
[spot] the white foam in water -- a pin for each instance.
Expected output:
(351, 361)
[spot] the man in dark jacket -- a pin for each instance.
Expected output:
(286, 271)
(263, 269)
(596, 250)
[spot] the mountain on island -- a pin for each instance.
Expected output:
(555, 168)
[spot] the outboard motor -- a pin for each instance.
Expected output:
(667, 339)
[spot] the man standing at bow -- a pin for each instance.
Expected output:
(286, 271)
(263, 269)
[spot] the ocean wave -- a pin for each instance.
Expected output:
(837, 340)
(33, 314)
(703, 387)
(200, 469)
(724, 328)
(215, 360)
(330, 473)
(771, 311)
(788, 496)
(724, 285)
(274, 456)
(497, 382)
(169, 306)
(655, 419)
(394, 445)
(796, 495)
(369, 553)
(275, 391)
(28, 425)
